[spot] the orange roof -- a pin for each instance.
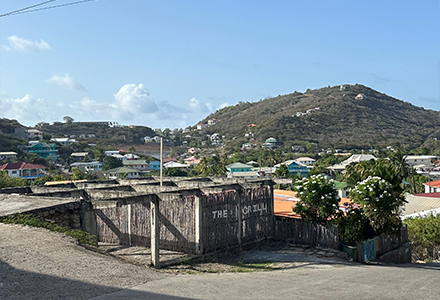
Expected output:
(285, 201)
(435, 183)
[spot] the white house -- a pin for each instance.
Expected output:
(201, 126)
(420, 160)
(88, 167)
(139, 164)
(111, 152)
(63, 141)
(306, 160)
(355, 158)
(8, 155)
(432, 186)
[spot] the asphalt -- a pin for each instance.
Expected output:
(312, 281)
(38, 264)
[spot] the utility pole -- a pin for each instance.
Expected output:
(161, 162)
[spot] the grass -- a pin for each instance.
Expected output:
(243, 267)
(83, 237)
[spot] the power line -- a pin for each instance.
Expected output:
(22, 11)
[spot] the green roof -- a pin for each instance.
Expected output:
(135, 162)
(122, 170)
(340, 185)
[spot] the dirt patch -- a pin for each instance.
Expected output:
(264, 257)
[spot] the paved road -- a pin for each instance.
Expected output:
(320, 281)
(37, 264)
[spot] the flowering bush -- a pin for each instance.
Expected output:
(380, 205)
(318, 199)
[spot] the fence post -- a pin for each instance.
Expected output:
(239, 217)
(198, 224)
(155, 232)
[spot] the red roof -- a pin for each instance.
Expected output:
(165, 160)
(435, 183)
(19, 165)
(432, 195)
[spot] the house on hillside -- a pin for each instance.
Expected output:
(306, 160)
(175, 165)
(212, 122)
(79, 156)
(294, 167)
(34, 134)
(192, 160)
(139, 164)
(298, 148)
(240, 170)
(270, 143)
(421, 161)
(201, 126)
(432, 186)
(131, 156)
(8, 155)
(111, 152)
(23, 170)
(88, 167)
(155, 165)
(119, 157)
(45, 150)
(63, 141)
(122, 172)
(355, 158)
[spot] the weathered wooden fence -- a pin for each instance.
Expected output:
(127, 221)
(237, 216)
(192, 224)
(385, 243)
(306, 233)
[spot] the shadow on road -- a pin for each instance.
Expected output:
(19, 284)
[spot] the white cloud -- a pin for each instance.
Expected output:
(66, 81)
(24, 45)
(25, 108)
(223, 105)
(132, 104)
(198, 106)
(131, 100)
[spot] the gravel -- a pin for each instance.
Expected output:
(40, 264)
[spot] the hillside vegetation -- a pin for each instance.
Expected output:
(335, 119)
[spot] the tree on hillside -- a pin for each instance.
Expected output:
(68, 120)
(111, 162)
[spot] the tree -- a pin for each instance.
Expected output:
(379, 203)
(283, 171)
(318, 199)
(174, 172)
(77, 174)
(211, 166)
(68, 120)
(111, 162)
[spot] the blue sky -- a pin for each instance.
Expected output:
(170, 63)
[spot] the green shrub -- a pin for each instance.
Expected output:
(83, 237)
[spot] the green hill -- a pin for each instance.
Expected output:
(336, 118)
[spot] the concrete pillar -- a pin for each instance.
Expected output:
(155, 232)
(198, 224)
